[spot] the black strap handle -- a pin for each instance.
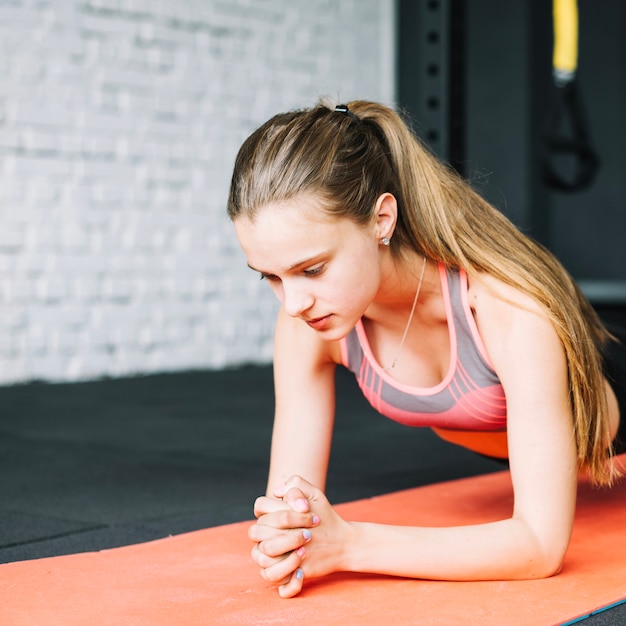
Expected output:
(568, 111)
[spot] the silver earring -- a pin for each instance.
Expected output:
(385, 241)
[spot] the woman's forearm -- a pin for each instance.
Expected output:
(502, 550)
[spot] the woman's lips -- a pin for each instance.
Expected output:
(319, 323)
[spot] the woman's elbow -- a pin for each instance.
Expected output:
(545, 563)
(544, 550)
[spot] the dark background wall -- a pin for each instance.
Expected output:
(476, 78)
(595, 220)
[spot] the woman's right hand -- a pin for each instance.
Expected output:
(282, 533)
(286, 528)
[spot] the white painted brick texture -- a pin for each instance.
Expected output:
(119, 125)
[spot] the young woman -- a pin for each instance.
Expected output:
(386, 262)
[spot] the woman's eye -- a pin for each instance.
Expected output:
(314, 271)
(270, 277)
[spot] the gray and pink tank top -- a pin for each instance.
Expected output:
(470, 397)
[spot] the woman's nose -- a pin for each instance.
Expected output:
(296, 300)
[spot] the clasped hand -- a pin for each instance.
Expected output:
(297, 535)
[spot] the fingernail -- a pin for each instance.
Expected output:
(306, 533)
(316, 520)
(301, 552)
(299, 574)
(302, 505)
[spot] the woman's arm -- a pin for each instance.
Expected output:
(304, 369)
(305, 403)
(529, 360)
(528, 357)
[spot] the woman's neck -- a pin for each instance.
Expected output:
(399, 285)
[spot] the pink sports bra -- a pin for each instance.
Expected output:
(469, 398)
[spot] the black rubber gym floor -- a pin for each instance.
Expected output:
(96, 465)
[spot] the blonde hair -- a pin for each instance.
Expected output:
(349, 159)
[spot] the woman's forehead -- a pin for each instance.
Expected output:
(287, 234)
(302, 212)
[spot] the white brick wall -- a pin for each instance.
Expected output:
(119, 124)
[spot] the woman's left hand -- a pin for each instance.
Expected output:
(297, 535)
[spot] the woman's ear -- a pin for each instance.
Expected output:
(386, 212)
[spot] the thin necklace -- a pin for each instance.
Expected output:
(406, 330)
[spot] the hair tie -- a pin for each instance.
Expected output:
(343, 108)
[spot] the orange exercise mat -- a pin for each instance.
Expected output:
(207, 577)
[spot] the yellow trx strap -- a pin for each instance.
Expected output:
(575, 145)
(565, 54)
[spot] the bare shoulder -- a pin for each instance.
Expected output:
(511, 323)
(489, 294)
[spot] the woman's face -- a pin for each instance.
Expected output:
(325, 271)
